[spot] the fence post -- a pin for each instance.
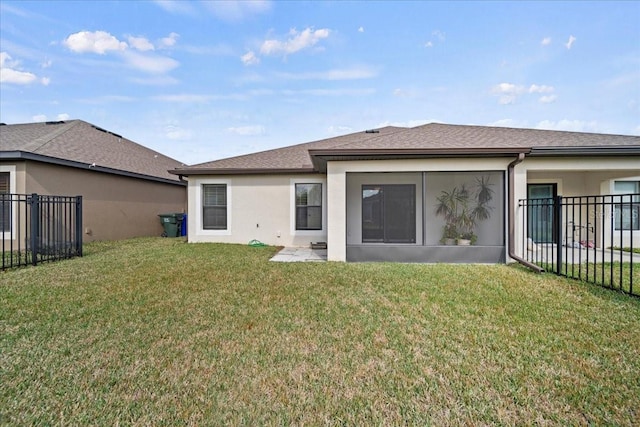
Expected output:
(557, 230)
(79, 234)
(34, 202)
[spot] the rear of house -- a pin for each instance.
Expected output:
(434, 193)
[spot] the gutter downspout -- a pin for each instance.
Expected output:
(511, 204)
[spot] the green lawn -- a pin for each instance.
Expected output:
(159, 332)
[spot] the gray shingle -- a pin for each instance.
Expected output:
(434, 136)
(82, 142)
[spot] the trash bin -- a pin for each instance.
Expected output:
(183, 228)
(171, 223)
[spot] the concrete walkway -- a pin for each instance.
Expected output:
(300, 255)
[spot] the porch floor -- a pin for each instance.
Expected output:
(300, 255)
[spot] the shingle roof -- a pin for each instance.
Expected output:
(291, 157)
(83, 143)
(421, 139)
(443, 136)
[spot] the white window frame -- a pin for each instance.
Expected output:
(8, 235)
(200, 231)
(625, 203)
(292, 204)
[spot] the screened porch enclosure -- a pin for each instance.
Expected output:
(426, 216)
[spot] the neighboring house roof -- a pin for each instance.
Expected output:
(77, 143)
(430, 140)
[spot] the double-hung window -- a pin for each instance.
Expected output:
(309, 206)
(214, 206)
(5, 203)
(627, 209)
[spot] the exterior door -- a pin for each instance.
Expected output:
(540, 213)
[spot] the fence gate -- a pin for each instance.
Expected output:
(591, 238)
(37, 228)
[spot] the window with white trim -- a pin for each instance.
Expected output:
(309, 206)
(214, 206)
(627, 208)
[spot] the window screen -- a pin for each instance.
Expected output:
(214, 206)
(308, 206)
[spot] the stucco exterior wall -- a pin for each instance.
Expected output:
(260, 207)
(114, 207)
(581, 177)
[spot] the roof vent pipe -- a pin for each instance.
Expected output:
(511, 219)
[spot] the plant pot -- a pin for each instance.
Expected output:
(449, 242)
(464, 242)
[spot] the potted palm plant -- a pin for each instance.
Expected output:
(462, 209)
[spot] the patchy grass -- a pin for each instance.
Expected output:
(159, 332)
(634, 250)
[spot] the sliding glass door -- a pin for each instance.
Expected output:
(389, 213)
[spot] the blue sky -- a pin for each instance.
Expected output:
(203, 80)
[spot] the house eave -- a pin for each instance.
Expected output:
(241, 171)
(23, 155)
(321, 157)
(623, 150)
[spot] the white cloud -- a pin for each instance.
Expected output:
(428, 44)
(508, 123)
(10, 72)
(188, 98)
(39, 118)
(176, 6)
(356, 73)
(99, 42)
(568, 125)
(46, 64)
(63, 117)
(547, 99)
(45, 81)
(296, 42)
(247, 130)
(361, 30)
(508, 93)
(8, 75)
(155, 80)
(404, 93)
(439, 35)
(570, 42)
(169, 41)
(546, 41)
(234, 10)
(140, 43)
(153, 64)
(540, 89)
(250, 58)
(329, 92)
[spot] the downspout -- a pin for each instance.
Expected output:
(511, 219)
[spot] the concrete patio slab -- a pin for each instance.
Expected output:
(300, 255)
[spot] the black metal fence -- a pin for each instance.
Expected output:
(590, 238)
(36, 228)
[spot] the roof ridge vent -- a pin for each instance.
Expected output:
(372, 131)
(106, 131)
(59, 122)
